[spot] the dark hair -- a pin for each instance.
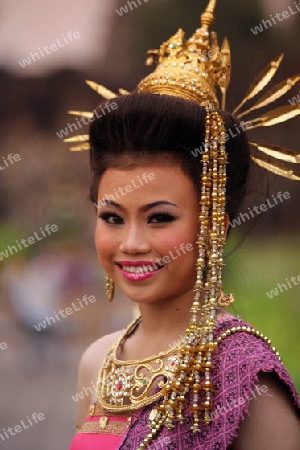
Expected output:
(147, 125)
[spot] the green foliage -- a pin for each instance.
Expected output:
(256, 268)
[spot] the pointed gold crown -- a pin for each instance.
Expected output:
(195, 69)
(192, 69)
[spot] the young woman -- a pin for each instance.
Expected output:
(185, 374)
(149, 134)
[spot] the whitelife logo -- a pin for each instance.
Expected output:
(24, 425)
(72, 127)
(160, 262)
(279, 17)
(294, 100)
(11, 250)
(235, 403)
(63, 313)
(48, 49)
(230, 134)
(257, 210)
(124, 9)
(9, 160)
(134, 184)
(3, 346)
(275, 292)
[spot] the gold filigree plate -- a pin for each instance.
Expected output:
(130, 385)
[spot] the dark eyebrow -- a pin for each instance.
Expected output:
(158, 203)
(143, 208)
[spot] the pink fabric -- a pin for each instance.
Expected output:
(92, 441)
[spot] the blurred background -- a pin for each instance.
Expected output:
(49, 185)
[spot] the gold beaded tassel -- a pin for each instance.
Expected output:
(202, 273)
(209, 265)
(215, 247)
(195, 355)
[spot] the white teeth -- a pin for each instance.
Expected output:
(138, 269)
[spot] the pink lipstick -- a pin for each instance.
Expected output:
(138, 270)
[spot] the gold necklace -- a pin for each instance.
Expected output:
(128, 385)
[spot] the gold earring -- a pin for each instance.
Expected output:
(225, 300)
(110, 288)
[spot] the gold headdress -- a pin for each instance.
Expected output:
(195, 69)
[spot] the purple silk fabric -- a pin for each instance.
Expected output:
(238, 359)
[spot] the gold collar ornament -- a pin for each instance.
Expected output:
(195, 69)
(129, 385)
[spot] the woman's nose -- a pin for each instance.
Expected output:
(134, 240)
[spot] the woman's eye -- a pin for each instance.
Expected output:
(111, 218)
(161, 218)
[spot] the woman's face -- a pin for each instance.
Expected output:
(146, 231)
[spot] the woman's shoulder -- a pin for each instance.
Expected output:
(89, 366)
(241, 344)
(243, 354)
(233, 333)
(250, 378)
(95, 353)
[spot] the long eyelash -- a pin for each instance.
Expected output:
(107, 215)
(167, 216)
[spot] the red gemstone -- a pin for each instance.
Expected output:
(119, 386)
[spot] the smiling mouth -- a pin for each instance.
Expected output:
(144, 269)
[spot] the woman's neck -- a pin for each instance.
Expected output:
(164, 319)
(163, 324)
